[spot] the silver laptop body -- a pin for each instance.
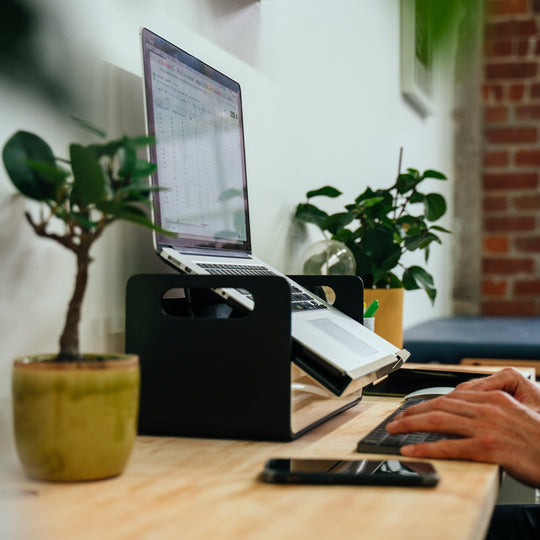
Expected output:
(195, 114)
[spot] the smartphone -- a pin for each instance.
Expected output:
(388, 472)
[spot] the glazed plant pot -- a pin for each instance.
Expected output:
(75, 421)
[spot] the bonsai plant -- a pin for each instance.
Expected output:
(75, 415)
(379, 228)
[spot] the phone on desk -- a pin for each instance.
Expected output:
(388, 472)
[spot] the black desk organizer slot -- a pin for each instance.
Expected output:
(207, 376)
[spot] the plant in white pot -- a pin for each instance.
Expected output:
(379, 227)
(75, 414)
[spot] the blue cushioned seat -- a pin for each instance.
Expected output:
(449, 339)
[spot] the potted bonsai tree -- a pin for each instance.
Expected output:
(75, 414)
(379, 227)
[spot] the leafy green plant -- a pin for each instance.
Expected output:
(99, 184)
(379, 229)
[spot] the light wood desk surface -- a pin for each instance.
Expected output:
(181, 488)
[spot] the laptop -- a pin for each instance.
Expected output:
(195, 114)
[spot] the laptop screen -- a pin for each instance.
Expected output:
(195, 114)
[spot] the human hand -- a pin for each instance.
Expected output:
(511, 381)
(495, 426)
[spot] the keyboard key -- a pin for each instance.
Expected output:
(379, 441)
(300, 301)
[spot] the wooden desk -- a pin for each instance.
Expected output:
(177, 488)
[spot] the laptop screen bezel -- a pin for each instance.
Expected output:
(203, 244)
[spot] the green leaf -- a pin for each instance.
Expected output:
(405, 182)
(421, 241)
(432, 293)
(143, 169)
(416, 277)
(327, 191)
(136, 215)
(435, 206)
(417, 197)
(409, 222)
(141, 140)
(89, 178)
(137, 190)
(127, 158)
(54, 173)
(311, 214)
(434, 174)
(21, 154)
(369, 202)
(336, 222)
(393, 281)
(108, 149)
(441, 229)
(115, 208)
(343, 235)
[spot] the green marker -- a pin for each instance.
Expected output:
(373, 307)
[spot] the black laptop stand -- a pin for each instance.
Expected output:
(208, 370)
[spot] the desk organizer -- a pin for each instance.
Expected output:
(208, 371)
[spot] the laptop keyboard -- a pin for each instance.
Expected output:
(300, 301)
(379, 441)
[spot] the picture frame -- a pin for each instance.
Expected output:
(416, 62)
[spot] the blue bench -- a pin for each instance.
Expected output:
(448, 340)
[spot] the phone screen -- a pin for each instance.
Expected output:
(358, 471)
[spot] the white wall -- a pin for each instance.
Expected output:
(322, 104)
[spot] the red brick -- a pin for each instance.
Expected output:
(496, 244)
(492, 92)
(527, 180)
(509, 224)
(516, 92)
(535, 90)
(510, 28)
(508, 134)
(494, 203)
(528, 245)
(496, 158)
(511, 70)
(509, 308)
(498, 48)
(495, 114)
(527, 202)
(521, 48)
(507, 7)
(527, 158)
(507, 266)
(491, 287)
(527, 112)
(527, 287)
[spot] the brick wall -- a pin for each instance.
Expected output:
(511, 159)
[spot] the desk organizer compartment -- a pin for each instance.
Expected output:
(210, 372)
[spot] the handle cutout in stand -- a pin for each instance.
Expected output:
(324, 292)
(194, 302)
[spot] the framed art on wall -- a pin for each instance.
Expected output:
(416, 55)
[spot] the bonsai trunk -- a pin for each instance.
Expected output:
(69, 340)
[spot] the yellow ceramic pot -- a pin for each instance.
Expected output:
(75, 420)
(389, 316)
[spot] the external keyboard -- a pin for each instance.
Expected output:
(379, 441)
(300, 301)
